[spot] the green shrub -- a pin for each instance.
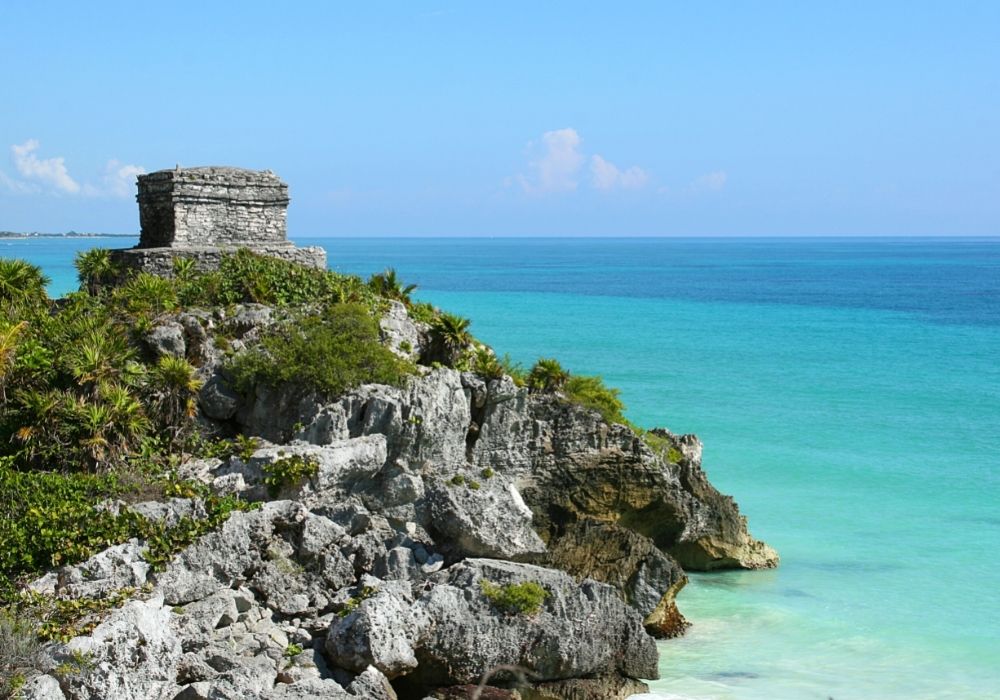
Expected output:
(21, 282)
(146, 293)
(524, 598)
(487, 473)
(593, 393)
(547, 375)
(288, 471)
(49, 519)
(422, 312)
(95, 270)
(661, 443)
(328, 354)
(245, 276)
(485, 363)
(457, 480)
(292, 650)
(388, 285)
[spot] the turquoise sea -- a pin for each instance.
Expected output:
(848, 395)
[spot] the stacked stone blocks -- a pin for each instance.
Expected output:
(203, 213)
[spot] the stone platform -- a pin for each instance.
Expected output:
(160, 261)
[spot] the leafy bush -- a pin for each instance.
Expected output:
(547, 375)
(21, 282)
(524, 598)
(49, 519)
(485, 363)
(593, 393)
(288, 471)
(328, 354)
(245, 276)
(423, 312)
(145, 293)
(450, 337)
(388, 285)
(95, 269)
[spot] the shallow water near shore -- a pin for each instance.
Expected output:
(848, 395)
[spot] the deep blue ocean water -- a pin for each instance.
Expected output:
(848, 395)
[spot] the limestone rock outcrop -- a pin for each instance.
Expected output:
(364, 578)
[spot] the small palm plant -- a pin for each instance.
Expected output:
(94, 269)
(108, 426)
(184, 269)
(176, 384)
(387, 284)
(547, 375)
(452, 335)
(147, 293)
(41, 423)
(21, 281)
(101, 357)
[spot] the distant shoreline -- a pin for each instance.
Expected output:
(71, 234)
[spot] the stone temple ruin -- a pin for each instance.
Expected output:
(203, 213)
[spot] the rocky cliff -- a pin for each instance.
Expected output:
(447, 534)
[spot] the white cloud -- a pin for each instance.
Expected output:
(607, 176)
(48, 171)
(118, 180)
(16, 186)
(556, 166)
(51, 175)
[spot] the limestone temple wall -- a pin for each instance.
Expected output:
(203, 213)
(211, 206)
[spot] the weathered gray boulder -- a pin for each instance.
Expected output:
(117, 567)
(167, 340)
(400, 333)
(380, 631)
(424, 423)
(490, 520)
(225, 556)
(132, 655)
(583, 629)
(41, 688)
(217, 399)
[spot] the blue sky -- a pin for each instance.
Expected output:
(451, 118)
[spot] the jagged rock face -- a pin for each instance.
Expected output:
(579, 468)
(648, 578)
(369, 570)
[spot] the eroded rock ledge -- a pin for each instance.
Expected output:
(365, 580)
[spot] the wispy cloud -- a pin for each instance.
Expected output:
(118, 180)
(556, 163)
(607, 176)
(50, 175)
(47, 171)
